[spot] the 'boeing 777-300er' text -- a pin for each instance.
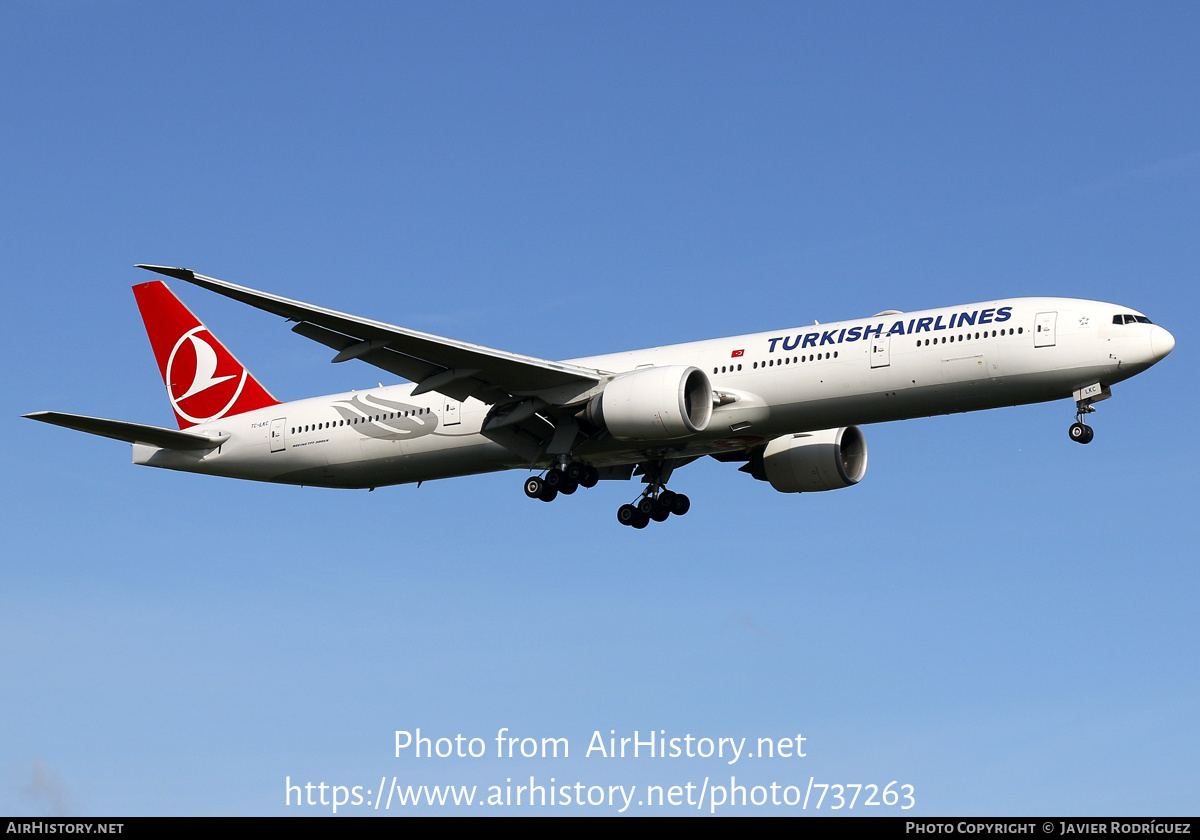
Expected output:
(785, 403)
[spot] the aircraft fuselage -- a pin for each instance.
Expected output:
(893, 366)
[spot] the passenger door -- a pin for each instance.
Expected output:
(278, 440)
(1043, 329)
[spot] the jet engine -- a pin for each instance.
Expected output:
(812, 461)
(655, 403)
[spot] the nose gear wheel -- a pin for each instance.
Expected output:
(1080, 432)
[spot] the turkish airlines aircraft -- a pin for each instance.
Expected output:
(787, 403)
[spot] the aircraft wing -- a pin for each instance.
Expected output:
(130, 432)
(454, 368)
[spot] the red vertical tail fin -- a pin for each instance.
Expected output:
(204, 381)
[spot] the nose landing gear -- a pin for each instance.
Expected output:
(1080, 432)
(1084, 397)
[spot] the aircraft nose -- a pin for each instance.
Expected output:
(1161, 342)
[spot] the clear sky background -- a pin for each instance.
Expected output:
(997, 616)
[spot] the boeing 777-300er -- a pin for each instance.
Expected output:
(787, 403)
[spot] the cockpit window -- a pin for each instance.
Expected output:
(1142, 319)
(1131, 319)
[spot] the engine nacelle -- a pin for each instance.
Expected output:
(816, 461)
(655, 403)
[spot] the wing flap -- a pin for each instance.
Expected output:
(458, 385)
(130, 432)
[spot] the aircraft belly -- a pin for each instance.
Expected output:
(231, 460)
(471, 457)
(929, 397)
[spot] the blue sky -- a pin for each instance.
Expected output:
(996, 616)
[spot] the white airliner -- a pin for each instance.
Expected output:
(787, 403)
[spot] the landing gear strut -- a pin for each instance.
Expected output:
(1081, 432)
(656, 501)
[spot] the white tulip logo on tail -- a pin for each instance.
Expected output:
(203, 379)
(201, 363)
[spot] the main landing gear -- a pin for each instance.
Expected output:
(1081, 432)
(564, 479)
(656, 501)
(657, 506)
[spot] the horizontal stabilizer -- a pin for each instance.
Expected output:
(130, 432)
